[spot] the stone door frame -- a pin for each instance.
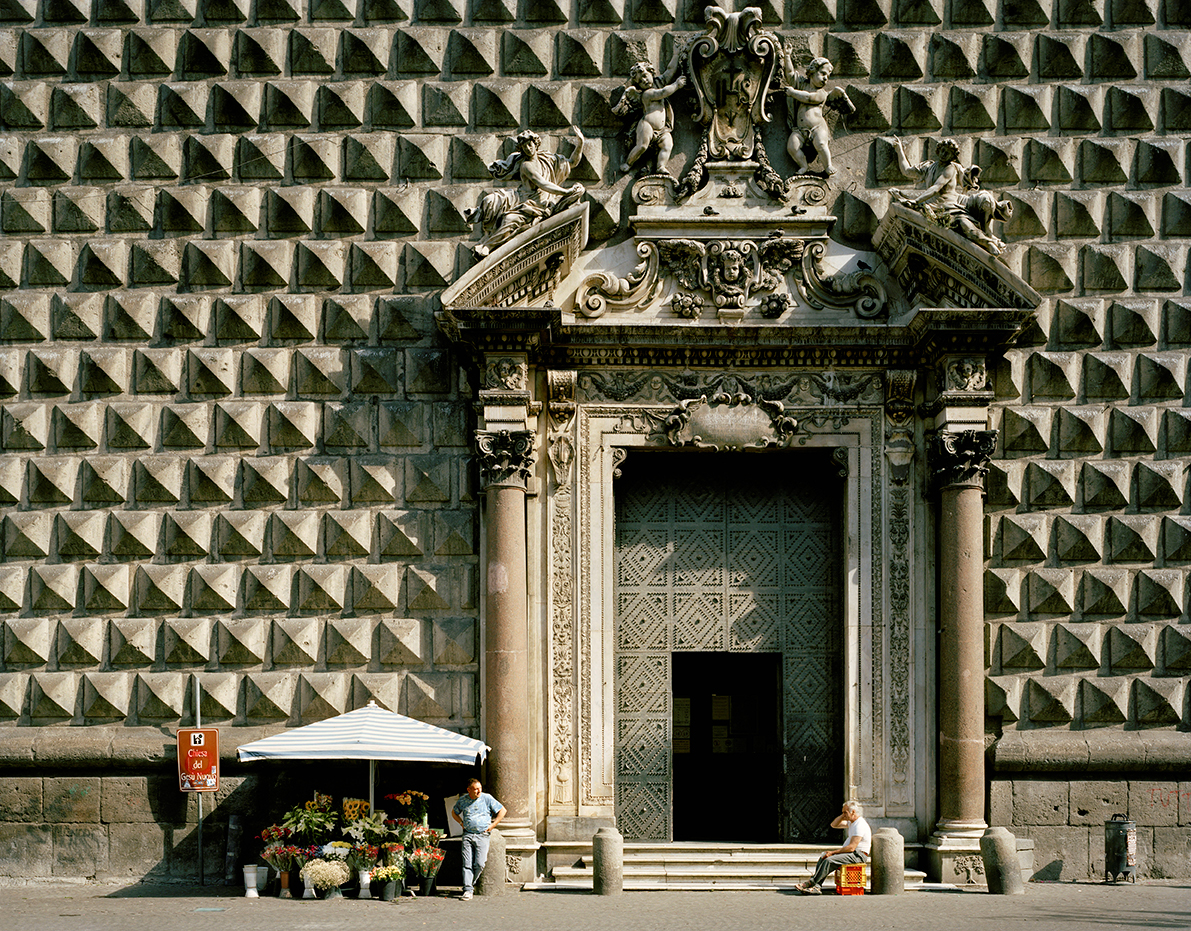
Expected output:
(888, 766)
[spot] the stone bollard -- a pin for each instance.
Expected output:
(495, 872)
(888, 862)
(607, 862)
(998, 849)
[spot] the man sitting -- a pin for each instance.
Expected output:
(855, 850)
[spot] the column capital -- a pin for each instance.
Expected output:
(506, 456)
(960, 458)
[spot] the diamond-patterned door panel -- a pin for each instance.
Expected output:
(735, 553)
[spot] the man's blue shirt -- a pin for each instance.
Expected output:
(477, 814)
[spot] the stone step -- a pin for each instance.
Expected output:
(711, 866)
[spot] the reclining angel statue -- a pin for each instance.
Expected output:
(504, 212)
(952, 196)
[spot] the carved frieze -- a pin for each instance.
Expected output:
(961, 457)
(505, 456)
(827, 389)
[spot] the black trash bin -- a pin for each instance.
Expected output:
(1120, 849)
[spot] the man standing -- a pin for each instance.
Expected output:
(858, 844)
(479, 813)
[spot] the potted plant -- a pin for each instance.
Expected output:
(425, 861)
(362, 858)
(282, 857)
(392, 878)
(298, 884)
(314, 822)
(416, 803)
(326, 875)
(273, 837)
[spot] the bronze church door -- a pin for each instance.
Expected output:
(729, 646)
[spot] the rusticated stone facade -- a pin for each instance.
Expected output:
(234, 450)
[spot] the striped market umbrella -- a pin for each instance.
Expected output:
(371, 733)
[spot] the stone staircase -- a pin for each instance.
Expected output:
(704, 866)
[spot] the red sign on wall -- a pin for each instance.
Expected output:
(198, 759)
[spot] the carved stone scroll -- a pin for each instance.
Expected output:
(860, 290)
(601, 293)
(730, 422)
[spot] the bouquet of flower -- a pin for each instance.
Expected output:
(390, 872)
(282, 857)
(426, 837)
(362, 856)
(425, 861)
(274, 833)
(393, 853)
(322, 802)
(336, 850)
(324, 874)
(370, 829)
(354, 808)
(313, 821)
(306, 854)
(415, 802)
(403, 830)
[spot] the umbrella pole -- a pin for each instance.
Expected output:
(371, 786)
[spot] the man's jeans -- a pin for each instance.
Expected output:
(475, 855)
(826, 865)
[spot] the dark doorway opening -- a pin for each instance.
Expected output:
(727, 746)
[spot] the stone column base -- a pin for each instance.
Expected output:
(521, 856)
(954, 859)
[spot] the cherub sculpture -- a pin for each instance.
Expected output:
(808, 94)
(504, 212)
(952, 196)
(648, 92)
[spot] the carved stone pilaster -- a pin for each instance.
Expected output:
(506, 456)
(560, 407)
(899, 426)
(960, 458)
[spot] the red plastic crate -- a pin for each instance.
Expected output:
(850, 879)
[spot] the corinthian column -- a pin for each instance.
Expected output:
(506, 459)
(959, 462)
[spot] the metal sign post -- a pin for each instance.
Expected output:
(198, 767)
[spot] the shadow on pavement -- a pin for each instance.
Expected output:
(179, 891)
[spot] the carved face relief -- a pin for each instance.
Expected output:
(965, 375)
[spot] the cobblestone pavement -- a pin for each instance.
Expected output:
(93, 907)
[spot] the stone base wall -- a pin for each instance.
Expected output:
(1064, 815)
(68, 826)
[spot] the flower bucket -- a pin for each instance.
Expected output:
(427, 886)
(364, 877)
(333, 893)
(250, 882)
(390, 891)
(297, 885)
(283, 892)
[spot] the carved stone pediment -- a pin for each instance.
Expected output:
(937, 267)
(730, 421)
(525, 270)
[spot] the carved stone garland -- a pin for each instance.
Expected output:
(899, 450)
(561, 452)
